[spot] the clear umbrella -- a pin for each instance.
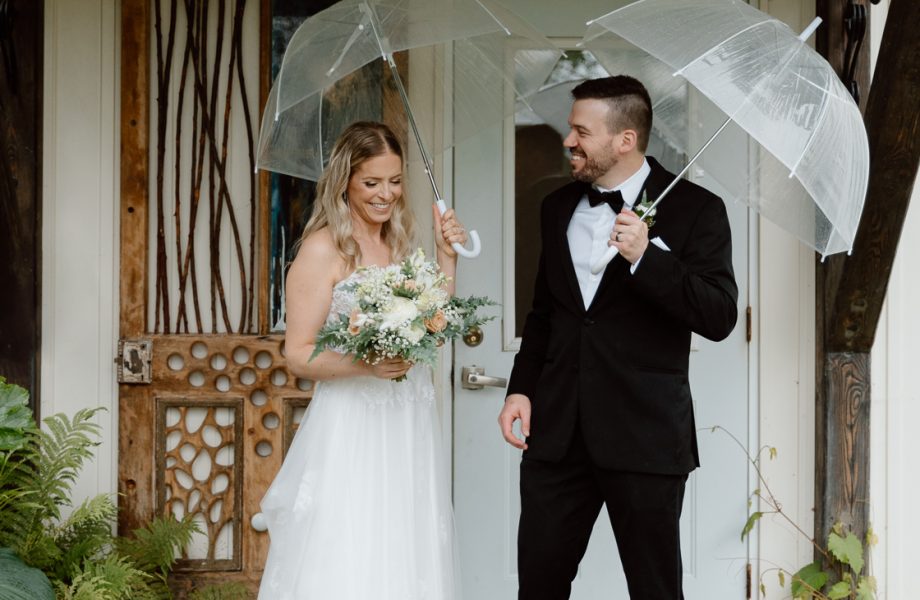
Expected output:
(813, 168)
(474, 57)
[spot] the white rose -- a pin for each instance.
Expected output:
(399, 311)
(424, 279)
(414, 333)
(433, 298)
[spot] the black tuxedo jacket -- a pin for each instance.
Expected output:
(619, 369)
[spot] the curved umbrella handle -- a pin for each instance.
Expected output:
(474, 238)
(602, 262)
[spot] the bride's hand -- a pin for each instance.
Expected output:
(448, 230)
(390, 368)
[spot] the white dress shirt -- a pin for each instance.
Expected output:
(589, 230)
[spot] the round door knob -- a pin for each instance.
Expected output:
(472, 337)
(258, 522)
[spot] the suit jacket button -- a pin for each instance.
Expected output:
(588, 322)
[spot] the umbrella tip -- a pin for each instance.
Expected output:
(810, 29)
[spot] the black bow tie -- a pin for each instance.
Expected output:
(613, 198)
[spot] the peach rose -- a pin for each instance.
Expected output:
(355, 321)
(437, 322)
(410, 285)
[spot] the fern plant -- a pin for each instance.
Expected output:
(77, 557)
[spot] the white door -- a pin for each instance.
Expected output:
(486, 468)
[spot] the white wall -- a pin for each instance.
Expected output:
(784, 336)
(79, 222)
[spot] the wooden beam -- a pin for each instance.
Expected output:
(21, 60)
(893, 125)
(844, 482)
(851, 289)
(831, 41)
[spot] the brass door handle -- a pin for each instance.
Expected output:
(474, 378)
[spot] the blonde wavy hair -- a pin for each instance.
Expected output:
(361, 141)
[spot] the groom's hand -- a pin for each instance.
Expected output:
(629, 235)
(517, 406)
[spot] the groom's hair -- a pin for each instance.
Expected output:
(630, 105)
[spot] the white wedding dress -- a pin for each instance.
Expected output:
(361, 509)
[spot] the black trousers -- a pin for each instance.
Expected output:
(560, 503)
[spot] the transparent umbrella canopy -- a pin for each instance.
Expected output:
(472, 58)
(812, 165)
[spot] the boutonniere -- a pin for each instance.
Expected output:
(645, 211)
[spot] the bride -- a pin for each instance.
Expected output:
(361, 507)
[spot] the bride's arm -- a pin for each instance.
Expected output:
(447, 230)
(308, 297)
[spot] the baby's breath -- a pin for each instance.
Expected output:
(403, 311)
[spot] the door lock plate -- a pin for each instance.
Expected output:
(134, 360)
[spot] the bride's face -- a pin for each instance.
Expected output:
(375, 187)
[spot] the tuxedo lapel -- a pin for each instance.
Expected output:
(564, 215)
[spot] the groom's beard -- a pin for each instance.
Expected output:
(595, 166)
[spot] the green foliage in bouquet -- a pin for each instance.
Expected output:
(44, 555)
(839, 573)
(403, 311)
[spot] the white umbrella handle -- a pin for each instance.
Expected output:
(603, 261)
(474, 238)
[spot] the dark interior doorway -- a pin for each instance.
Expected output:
(21, 42)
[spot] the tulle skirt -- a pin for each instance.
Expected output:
(361, 509)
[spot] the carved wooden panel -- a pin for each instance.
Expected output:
(198, 474)
(206, 438)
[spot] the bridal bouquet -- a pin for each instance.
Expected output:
(403, 311)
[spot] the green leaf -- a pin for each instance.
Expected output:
(752, 520)
(847, 550)
(839, 590)
(808, 578)
(21, 582)
(866, 588)
(15, 416)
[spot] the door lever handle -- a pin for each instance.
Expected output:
(474, 378)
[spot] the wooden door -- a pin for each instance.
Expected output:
(207, 407)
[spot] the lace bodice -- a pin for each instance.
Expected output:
(343, 299)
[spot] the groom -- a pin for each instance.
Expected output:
(600, 383)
